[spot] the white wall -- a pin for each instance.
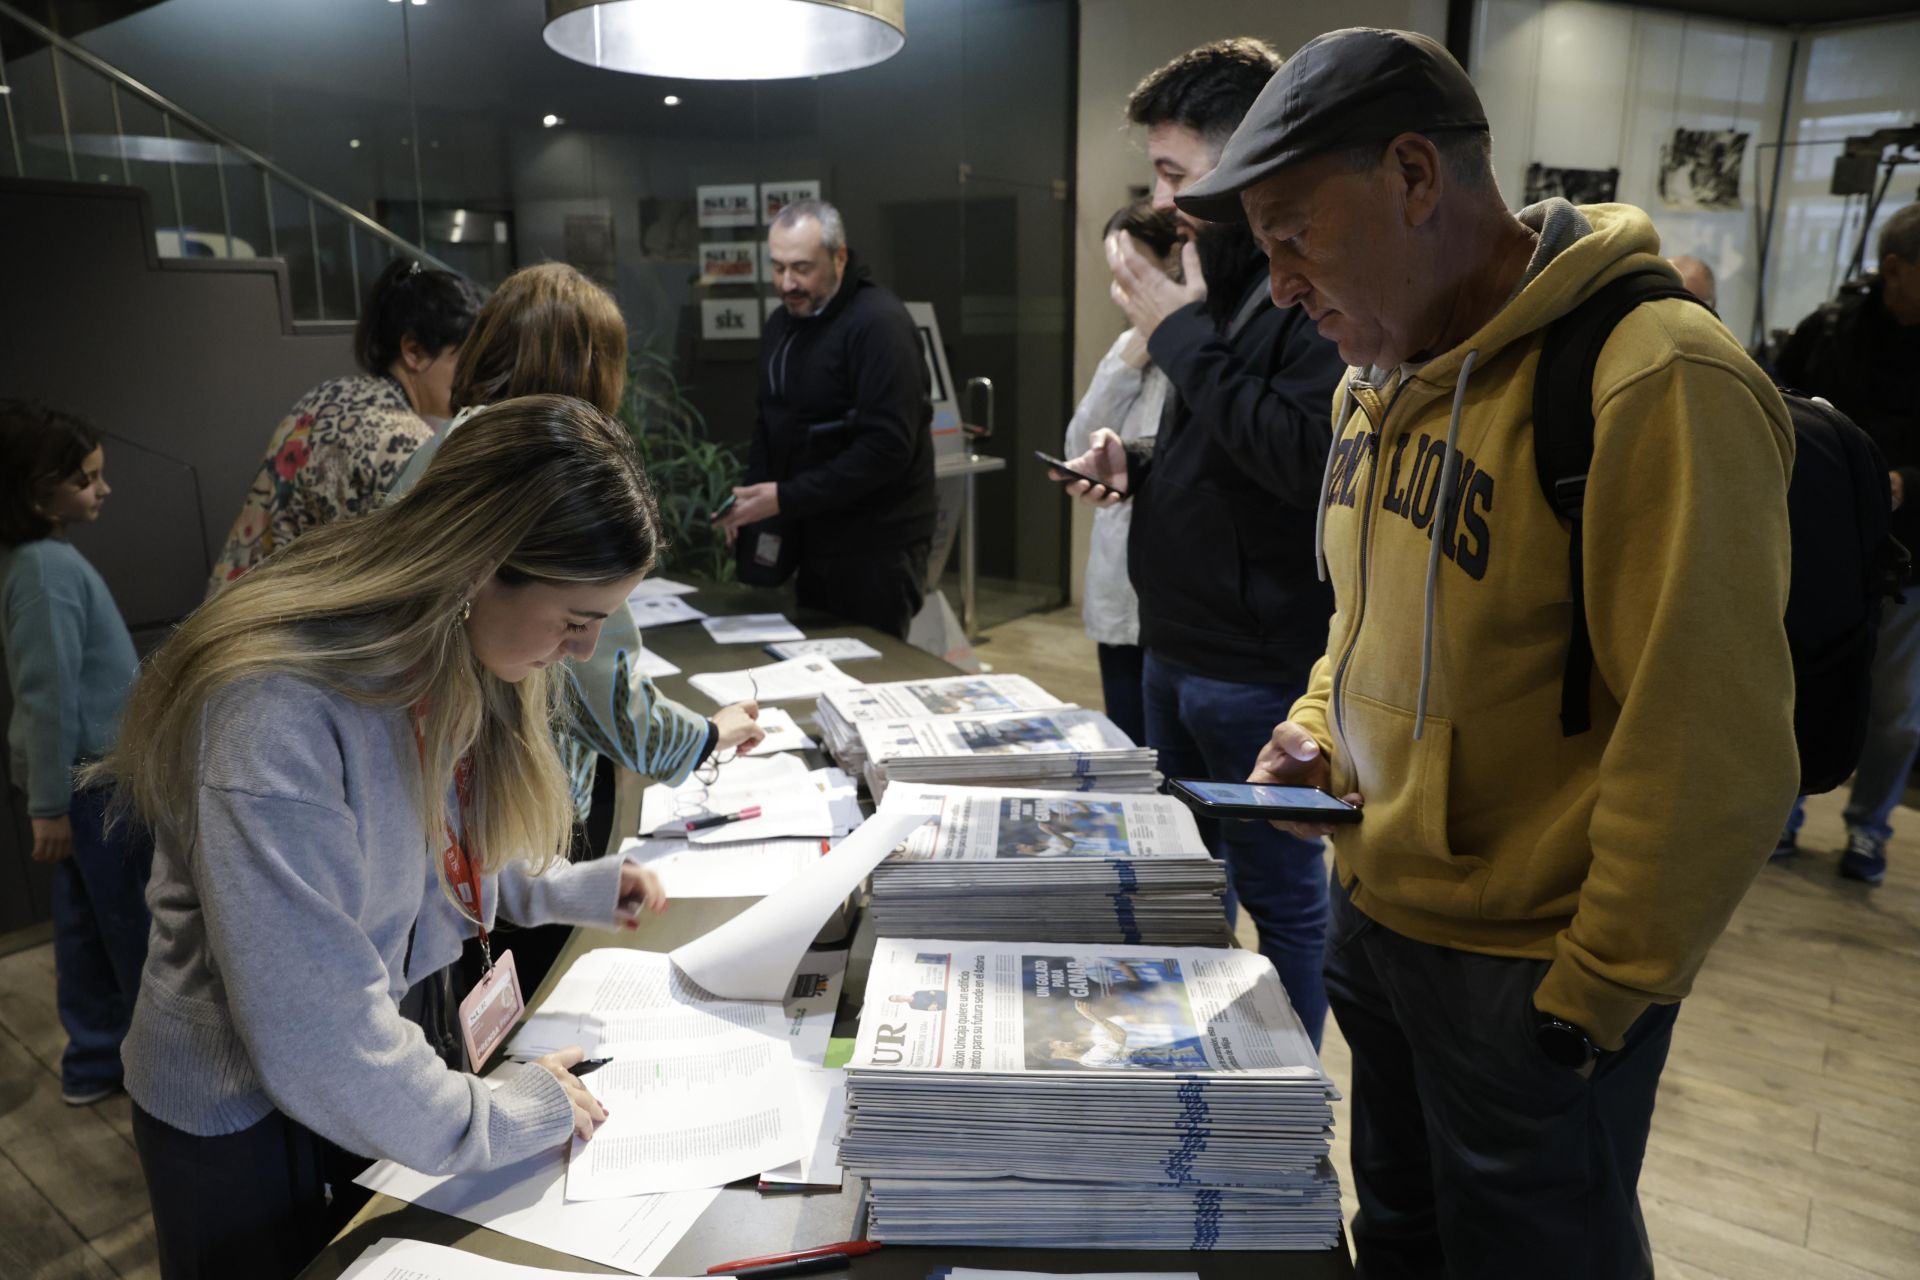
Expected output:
(1122, 40)
(1594, 86)
(1584, 85)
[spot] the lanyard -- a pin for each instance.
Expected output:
(463, 873)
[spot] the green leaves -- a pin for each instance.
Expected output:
(692, 474)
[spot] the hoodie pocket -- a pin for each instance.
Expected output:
(1403, 852)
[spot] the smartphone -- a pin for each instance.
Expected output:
(1263, 801)
(725, 506)
(1064, 469)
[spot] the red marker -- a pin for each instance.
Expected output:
(825, 1258)
(722, 819)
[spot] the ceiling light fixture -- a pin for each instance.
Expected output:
(354, 143)
(672, 99)
(727, 39)
(551, 120)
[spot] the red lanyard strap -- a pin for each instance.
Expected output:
(463, 872)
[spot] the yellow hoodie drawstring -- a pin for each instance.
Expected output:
(1449, 481)
(1326, 477)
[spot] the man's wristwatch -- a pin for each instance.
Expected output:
(1564, 1044)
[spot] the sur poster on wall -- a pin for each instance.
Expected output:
(729, 262)
(1700, 169)
(725, 206)
(723, 318)
(775, 196)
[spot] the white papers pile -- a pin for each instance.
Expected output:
(1072, 867)
(394, 1259)
(1067, 748)
(774, 682)
(1044, 1095)
(833, 648)
(752, 628)
(528, 1201)
(661, 587)
(842, 713)
(657, 610)
(792, 803)
(783, 733)
(750, 870)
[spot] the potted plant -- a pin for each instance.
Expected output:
(692, 474)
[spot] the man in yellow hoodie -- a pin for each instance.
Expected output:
(1519, 913)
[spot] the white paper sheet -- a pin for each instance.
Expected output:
(652, 665)
(681, 1116)
(754, 955)
(773, 682)
(833, 648)
(843, 798)
(823, 1109)
(616, 994)
(662, 587)
(976, 1273)
(791, 804)
(395, 1259)
(751, 870)
(752, 628)
(661, 611)
(783, 733)
(528, 1202)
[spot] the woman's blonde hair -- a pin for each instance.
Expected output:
(538, 489)
(545, 329)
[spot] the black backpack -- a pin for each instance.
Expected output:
(1839, 507)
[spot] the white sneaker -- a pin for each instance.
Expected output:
(87, 1095)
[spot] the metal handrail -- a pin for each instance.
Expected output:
(218, 137)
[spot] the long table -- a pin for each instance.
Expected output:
(743, 1223)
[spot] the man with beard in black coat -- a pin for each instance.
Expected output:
(842, 461)
(1232, 612)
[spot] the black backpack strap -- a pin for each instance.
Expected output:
(1563, 446)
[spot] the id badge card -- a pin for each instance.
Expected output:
(490, 1010)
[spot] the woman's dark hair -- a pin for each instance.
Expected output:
(434, 308)
(39, 447)
(1144, 223)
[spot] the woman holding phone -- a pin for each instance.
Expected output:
(347, 761)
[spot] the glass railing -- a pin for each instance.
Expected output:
(71, 116)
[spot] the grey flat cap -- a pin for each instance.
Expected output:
(1343, 89)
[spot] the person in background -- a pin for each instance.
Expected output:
(1861, 351)
(335, 755)
(1697, 277)
(841, 448)
(337, 452)
(1126, 396)
(548, 330)
(1232, 609)
(70, 663)
(1529, 897)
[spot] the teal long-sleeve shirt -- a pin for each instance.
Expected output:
(70, 665)
(618, 711)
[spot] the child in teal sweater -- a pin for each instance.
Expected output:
(70, 664)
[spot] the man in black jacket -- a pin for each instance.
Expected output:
(841, 452)
(1862, 352)
(1232, 612)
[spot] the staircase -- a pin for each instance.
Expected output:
(73, 117)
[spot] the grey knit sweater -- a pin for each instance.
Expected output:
(284, 938)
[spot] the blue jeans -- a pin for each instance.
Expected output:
(1120, 679)
(1473, 1153)
(1207, 728)
(100, 925)
(1893, 721)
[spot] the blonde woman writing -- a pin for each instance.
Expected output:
(331, 753)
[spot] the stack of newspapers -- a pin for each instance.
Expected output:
(841, 712)
(1072, 866)
(1067, 748)
(1032, 1094)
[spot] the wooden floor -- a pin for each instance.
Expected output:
(1786, 1144)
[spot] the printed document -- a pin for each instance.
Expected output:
(394, 1259)
(751, 870)
(774, 682)
(752, 628)
(661, 611)
(791, 803)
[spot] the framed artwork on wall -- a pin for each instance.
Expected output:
(725, 206)
(775, 196)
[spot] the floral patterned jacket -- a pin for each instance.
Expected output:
(335, 455)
